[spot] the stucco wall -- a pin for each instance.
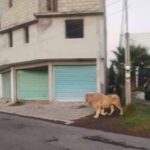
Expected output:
(22, 11)
(75, 5)
(47, 41)
(81, 5)
(0, 85)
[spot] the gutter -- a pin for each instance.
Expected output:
(66, 14)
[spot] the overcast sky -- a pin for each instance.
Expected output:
(139, 20)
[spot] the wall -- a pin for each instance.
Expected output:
(0, 85)
(81, 5)
(50, 43)
(22, 11)
(75, 5)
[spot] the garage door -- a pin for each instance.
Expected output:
(6, 85)
(32, 84)
(73, 82)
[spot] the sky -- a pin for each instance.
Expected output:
(139, 20)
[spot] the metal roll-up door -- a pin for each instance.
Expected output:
(32, 84)
(73, 82)
(6, 85)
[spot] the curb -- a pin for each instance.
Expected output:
(57, 121)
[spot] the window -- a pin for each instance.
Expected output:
(26, 34)
(10, 3)
(74, 28)
(52, 5)
(10, 39)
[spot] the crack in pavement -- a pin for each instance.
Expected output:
(108, 141)
(52, 139)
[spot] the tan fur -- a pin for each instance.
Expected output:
(100, 101)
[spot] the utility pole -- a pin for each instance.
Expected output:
(127, 59)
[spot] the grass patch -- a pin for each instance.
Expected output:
(135, 121)
(136, 117)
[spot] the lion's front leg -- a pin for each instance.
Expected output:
(98, 111)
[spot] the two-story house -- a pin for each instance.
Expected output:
(52, 49)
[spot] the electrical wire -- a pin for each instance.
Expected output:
(113, 3)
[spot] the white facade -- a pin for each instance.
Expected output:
(47, 35)
(0, 86)
(50, 42)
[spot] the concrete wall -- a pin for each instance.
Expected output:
(47, 37)
(22, 11)
(75, 5)
(81, 5)
(0, 85)
(47, 41)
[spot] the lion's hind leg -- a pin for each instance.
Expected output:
(118, 105)
(112, 109)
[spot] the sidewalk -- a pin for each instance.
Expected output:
(56, 111)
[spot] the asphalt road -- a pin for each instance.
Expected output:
(18, 133)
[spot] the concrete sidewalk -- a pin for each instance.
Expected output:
(57, 111)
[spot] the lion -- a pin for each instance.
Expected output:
(100, 101)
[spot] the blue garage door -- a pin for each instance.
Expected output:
(73, 82)
(6, 85)
(32, 84)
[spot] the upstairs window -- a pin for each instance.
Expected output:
(26, 34)
(10, 3)
(10, 39)
(52, 5)
(74, 28)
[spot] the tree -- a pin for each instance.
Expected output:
(139, 57)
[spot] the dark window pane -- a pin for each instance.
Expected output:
(52, 5)
(74, 29)
(26, 30)
(10, 36)
(10, 3)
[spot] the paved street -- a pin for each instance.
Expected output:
(18, 133)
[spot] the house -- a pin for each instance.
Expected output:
(52, 49)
